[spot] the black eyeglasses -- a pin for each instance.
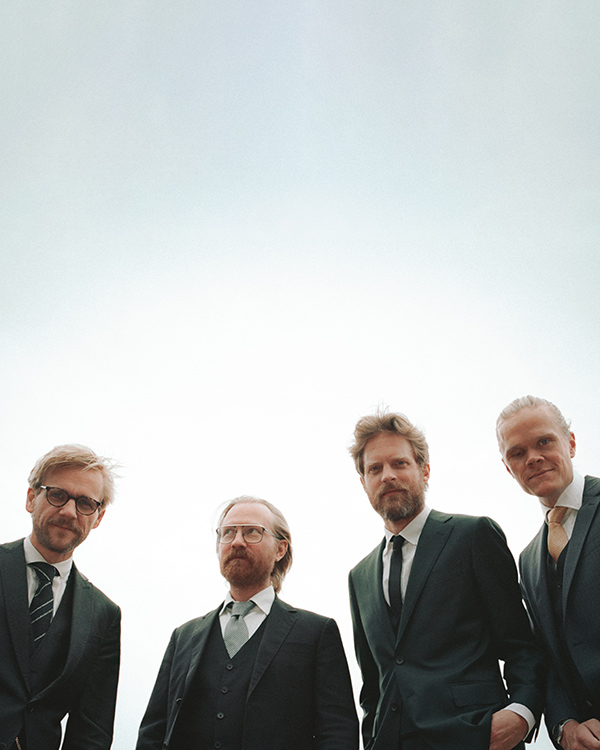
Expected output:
(251, 534)
(57, 498)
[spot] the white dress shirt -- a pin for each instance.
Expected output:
(571, 498)
(59, 582)
(263, 602)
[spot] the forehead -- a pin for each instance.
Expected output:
(529, 422)
(387, 444)
(247, 513)
(76, 480)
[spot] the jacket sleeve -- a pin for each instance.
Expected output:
(91, 719)
(514, 643)
(153, 728)
(336, 723)
(369, 694)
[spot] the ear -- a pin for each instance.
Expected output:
(572, 445)
(362, 481)
(100, 517)
(507, 467)
(426, 472)
(281, 549)
(30, 502)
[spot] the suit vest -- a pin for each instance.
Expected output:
(213, 710)
(48, 660)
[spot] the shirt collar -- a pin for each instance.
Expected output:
(263, 600)
(412, 531)
(32, 555)
(572, 496)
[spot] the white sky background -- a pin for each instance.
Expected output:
(231, 229)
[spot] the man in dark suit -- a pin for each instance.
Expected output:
(59, 635)
(435, 607)
(254, 673)
(560, 568)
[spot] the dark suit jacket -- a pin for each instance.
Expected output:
(580, 607)
(300, 695)
(438, 677)
(87, 687)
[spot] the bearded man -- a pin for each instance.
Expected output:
(435, 607)
(254, 673)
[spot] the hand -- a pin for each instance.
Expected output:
(585, 736)
(508, 729)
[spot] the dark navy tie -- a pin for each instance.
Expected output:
(42, 605)
(395, 582)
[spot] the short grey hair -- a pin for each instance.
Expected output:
(532, 402)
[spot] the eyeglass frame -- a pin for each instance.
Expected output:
(70, 497)
(241, 526)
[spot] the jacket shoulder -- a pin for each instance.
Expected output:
(366, 563)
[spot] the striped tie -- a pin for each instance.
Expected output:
(236, 630)
(42, 604)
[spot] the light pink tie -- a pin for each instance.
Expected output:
(557, 536)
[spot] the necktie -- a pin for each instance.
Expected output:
(236, 630)
(395, 582)
(42, 604)
(557, 536)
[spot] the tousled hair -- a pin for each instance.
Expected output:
(280, 529)
(79, 457)
(383, 421)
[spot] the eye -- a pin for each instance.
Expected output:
(373, 469)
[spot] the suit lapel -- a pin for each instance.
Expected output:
(280, 621)
(434, 536)
(199, 644)
(14, 585)
(583, 523)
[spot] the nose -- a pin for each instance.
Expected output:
(238, 540)
(533, 457)
(388, 474)
(69, 509)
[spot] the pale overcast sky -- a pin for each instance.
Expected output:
(230, 229)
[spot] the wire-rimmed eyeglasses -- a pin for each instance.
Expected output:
(252, 534)
(58, 497)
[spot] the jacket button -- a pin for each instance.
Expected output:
(399, 660)
(178, 701)
(230, 666)
(220, 715)
(394, 707)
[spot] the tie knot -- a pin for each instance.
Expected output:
(556, 515)
(398, 542)
(241, 609)
(45, 571)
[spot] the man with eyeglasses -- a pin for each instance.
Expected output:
(59, 635)
(254, 673)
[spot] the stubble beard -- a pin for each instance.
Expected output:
(54, 543)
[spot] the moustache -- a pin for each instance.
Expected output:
(69, 526)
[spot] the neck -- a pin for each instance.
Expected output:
(49, 555)
(245, 593)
